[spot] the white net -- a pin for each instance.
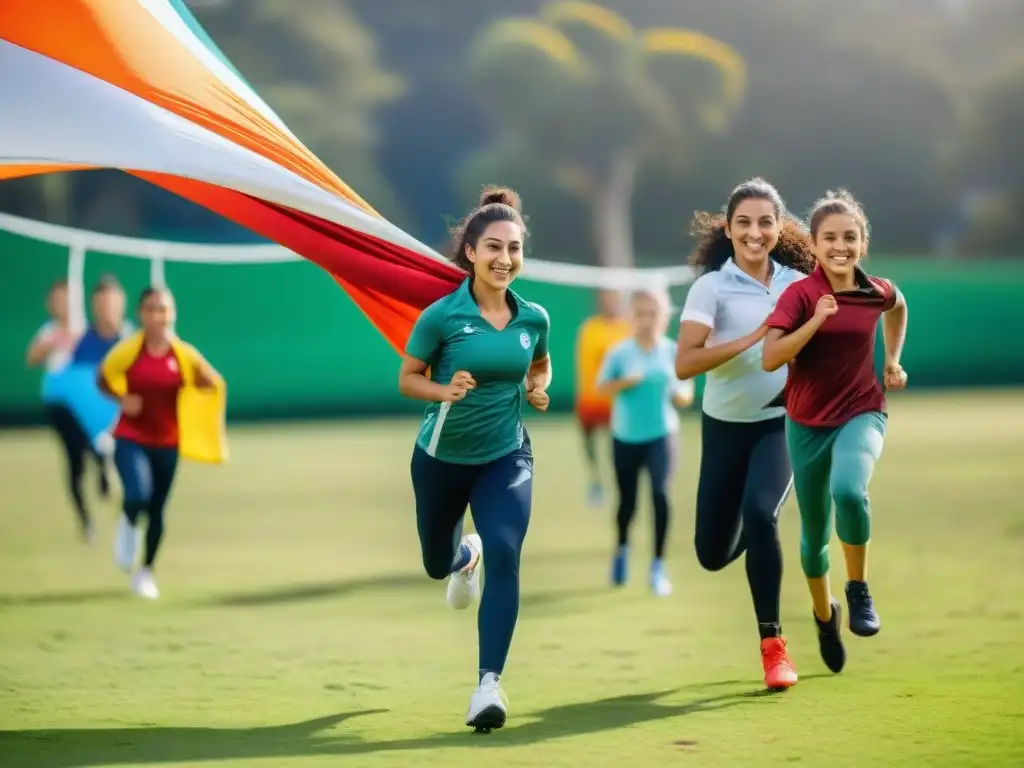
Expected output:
(79, 242)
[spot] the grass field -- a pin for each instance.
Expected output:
(296, 628)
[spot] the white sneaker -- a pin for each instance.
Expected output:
(488, 706)
(126, 544)
(144, 585)
(660, 584)
(464, 586)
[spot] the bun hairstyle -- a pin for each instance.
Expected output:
(714, 247)
(840, 201)
(496, 204)
(501, 196)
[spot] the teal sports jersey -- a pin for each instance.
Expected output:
(645, 411)
(451, 335)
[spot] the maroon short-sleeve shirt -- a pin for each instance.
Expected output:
(833, 378)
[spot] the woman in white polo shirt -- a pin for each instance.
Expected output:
(749, 256)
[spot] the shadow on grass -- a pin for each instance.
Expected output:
(320, 590)
(82, 747)
(85, 748)
(80, 597)
(339, 588)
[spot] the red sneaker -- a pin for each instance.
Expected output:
(779, 671)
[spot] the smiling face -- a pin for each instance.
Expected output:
(754, 230)
(498, 255)
(839, 243)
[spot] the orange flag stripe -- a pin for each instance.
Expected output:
(123, 44)
(17, 171)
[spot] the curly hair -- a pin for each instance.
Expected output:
(842, 202)
(714, 247)
(496, 204)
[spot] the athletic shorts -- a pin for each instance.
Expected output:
(593, 415)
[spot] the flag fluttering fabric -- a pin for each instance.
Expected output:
(137, 85)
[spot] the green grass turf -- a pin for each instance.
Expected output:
(296, 628)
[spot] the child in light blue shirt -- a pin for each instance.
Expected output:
(639, 375)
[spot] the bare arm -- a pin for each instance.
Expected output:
(37, 352)
(780, 347)
(206, 377)
(612, 387)
(413, 382)
(42, 345)
(683, 393)
(539, 375)
(681, 400)
(104, 387)
(694, 358)
(894, 331)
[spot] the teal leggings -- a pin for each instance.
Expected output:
(833, 464)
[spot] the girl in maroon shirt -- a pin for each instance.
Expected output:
(146, 435)
(824, 328)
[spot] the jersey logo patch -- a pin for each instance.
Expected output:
(172, 364)
(467, 328)
(524, 339)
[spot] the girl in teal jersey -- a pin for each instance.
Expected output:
(639, 375)
(476, 356)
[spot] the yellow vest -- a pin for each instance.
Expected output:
(202, 433)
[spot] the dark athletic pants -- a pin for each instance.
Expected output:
(76, 447)
(657, 457)
(147, 474)
(745, 477)
(499, 495)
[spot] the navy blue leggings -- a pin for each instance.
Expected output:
(76, 449)
(146, 475)
(499, 495)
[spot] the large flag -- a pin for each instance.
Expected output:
(137, 85)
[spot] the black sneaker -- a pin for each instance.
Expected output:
(829, 642)
(864, 621)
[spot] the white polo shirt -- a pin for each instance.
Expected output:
(732, 304)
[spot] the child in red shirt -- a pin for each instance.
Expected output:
(824, 328)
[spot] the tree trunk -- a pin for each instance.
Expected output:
(612, 210)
